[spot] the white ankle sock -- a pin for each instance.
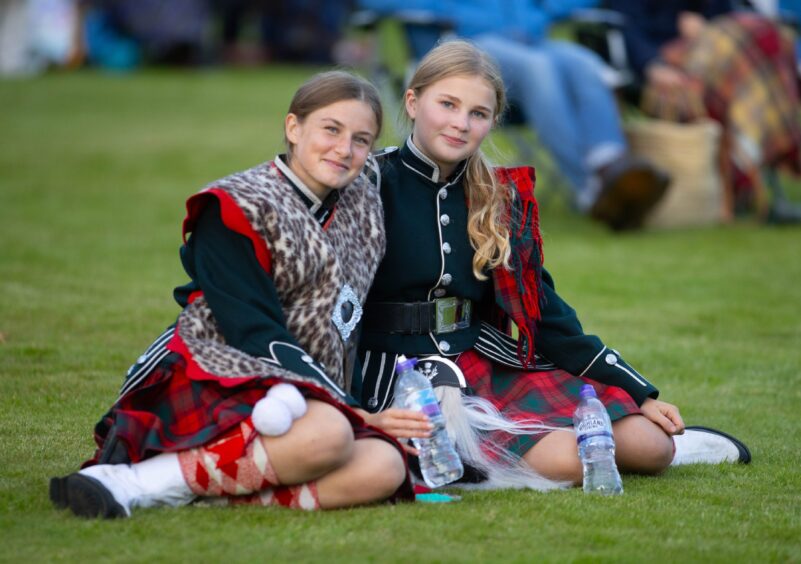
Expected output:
(150, 483)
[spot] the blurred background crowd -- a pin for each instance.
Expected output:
(717, 78)
(124, 34)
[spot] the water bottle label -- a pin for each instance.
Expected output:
(584, 436)
(591, 427)
(425, 401)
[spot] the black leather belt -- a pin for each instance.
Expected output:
(443, 315)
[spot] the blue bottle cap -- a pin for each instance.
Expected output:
(587, 391)
(405, 364)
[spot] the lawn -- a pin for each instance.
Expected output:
(94, 170)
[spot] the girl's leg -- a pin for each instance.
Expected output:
(374, 472)
(555, 457)
(640, 447)
(318, 443)
(317, 464)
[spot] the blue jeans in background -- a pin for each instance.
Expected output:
(560, 90)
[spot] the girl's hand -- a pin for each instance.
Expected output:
(664, 414)
(401, 424)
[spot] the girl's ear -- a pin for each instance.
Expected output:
(291, 128)
(410, 101)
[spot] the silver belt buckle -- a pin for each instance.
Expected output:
(452, 314)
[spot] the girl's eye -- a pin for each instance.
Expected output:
(362, 141)
(480, 114)
(447, 104)
(332, 129)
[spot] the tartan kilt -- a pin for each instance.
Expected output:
(548, 397)
(169, 412)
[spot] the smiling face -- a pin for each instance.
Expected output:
(331, 145)
(451, 118)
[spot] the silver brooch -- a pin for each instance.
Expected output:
(347, 312)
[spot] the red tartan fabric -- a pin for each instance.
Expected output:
(549, 397)
(169, 412)
(517, 291)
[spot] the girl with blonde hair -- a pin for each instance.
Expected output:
(462, 288)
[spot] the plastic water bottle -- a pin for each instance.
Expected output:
(439, 462)
(596, 445)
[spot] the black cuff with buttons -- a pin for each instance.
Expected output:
(609, 368)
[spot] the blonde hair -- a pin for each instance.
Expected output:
(489, 200)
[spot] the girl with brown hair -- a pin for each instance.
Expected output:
(280, 258)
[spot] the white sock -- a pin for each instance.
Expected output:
(150, 483)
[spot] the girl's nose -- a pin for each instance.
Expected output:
(462, 121)
(343, 147)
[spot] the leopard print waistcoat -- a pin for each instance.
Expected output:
(309, 265)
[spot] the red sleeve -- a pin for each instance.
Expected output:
(233, 218)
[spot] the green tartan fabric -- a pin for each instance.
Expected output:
(549, 397)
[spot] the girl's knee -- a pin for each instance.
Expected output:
(660, 453)
(566, 468)
(386, 470)
(555, 457)
(331, 437)
(642, 446)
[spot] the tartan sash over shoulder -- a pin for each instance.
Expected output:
(518, 290)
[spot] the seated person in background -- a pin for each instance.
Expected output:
(698, 58)
(560, 89)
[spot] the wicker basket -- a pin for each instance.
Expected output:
(689, 153)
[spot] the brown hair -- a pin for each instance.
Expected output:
(326, 88)
(487, 220)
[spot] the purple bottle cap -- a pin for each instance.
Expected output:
(405, 364)
(587, 391)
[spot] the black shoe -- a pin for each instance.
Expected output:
(87, 497)
(630, 188)
(58, 492)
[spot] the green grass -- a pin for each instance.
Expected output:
(94, 171)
